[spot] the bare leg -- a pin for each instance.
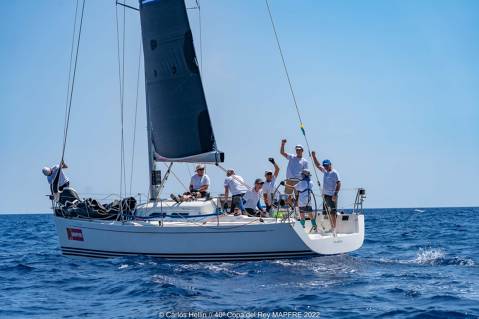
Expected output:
(313, 222)
(301, 220)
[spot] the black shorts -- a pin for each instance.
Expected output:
(329, 205)
(203, 194)
(306, 209)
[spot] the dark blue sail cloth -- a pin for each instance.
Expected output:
(179, 124)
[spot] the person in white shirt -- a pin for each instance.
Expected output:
(331, 187)
(269, 186)
(296, 164)
(252, 199)
(198, 188)
(305, 198)
(200, 182)
(237, 186)
(51, 172)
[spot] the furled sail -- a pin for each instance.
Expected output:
(179, 124)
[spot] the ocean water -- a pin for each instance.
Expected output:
(414, 264)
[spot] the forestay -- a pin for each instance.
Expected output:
(178, 119)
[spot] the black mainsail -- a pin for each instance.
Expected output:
(179, 125)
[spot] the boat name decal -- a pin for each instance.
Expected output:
(74, 234)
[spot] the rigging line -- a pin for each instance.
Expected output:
(188, 168)
(70, 65)
(177, 178)
(119, 74)
(234, 177)
(123, 100)
(121, 83)
(201, 42)
(73, 82)
(291, 88)
(136, 112)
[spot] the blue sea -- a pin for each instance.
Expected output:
(414, 264)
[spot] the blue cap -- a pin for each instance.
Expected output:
(326, 162)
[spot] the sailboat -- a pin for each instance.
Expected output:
(180, 131)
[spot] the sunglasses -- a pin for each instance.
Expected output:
(200, 169)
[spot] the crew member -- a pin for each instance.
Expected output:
(200, 182)
(331, 187)
(252, 199)
(51, 172)
(305, 190)
(296, 164)
(236, 185)
(269, 185)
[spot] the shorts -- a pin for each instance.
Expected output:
(329, 204)
(204, 194)
(289, 186)
(237, 202)
(307, 209)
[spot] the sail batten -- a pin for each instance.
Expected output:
(177, 113)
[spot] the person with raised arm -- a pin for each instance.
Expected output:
(296, 164)
(51, 172)
(331, 187)
(270, 185)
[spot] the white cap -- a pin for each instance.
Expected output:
(305, 172)
(47, 171)
(199, 166)
(299, 146)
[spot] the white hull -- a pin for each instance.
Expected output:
(234, 238)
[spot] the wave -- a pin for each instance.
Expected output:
(433, 257)
(429, 256)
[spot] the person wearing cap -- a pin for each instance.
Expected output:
(269, 185)
(198, 188)
(331, 187)
(51, 172)
(238, 188)
(200, 182)
(296, 164)
(252, 199)
(305, 190)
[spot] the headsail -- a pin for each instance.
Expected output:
(179, 124)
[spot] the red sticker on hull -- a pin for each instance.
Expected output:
(75, 234)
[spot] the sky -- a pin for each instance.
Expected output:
(388, 91)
